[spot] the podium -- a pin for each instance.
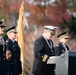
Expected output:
(65, 63)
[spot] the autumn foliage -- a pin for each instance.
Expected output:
(54, 13)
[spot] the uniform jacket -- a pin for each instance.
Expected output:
(2, 57)
(15, 66)
(59, 49)
(41, 49)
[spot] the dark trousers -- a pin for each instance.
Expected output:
(10, 74)
(2, 74)
(15, 74)
(8, 68)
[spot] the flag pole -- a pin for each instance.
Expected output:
(26, 24)
(31, 35)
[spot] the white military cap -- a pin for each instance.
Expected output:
(51, 29)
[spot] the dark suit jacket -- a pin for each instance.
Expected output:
(41, 49)
(3, 58)
(16, 67)
(59, 49)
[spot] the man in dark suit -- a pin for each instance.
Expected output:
(43, 49)
(62, 47)
(13, 47)
(2, 50)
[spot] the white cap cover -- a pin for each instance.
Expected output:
(50, 27)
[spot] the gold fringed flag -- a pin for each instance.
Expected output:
(20, 30)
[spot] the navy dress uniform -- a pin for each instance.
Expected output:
(12, 45)
(62, 47)
(42, 51)
(2, 52)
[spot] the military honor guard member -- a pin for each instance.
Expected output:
(62, 47)
(43, 49)
(2, 50)
(13, 47)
